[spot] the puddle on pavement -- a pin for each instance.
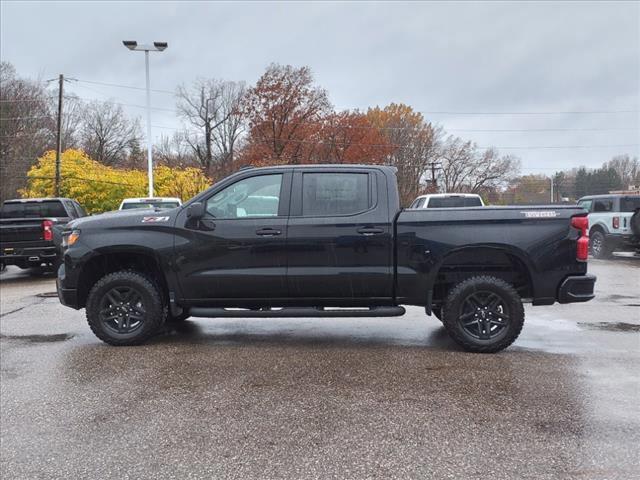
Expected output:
(611, 326)
(59, 337)
(48, 295)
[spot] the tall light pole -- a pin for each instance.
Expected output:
(156, 47)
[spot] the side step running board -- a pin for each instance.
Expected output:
(297, 312)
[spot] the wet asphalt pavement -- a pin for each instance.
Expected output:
(316, 398)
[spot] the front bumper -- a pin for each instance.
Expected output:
(577, 288)
(67, 296)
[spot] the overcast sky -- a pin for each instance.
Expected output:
(460, 58)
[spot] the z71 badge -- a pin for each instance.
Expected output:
(154, 219)
(540, 214)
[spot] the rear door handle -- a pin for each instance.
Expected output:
(268, 232)
(370, 231)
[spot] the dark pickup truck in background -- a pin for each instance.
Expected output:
(323, 241)
(28, 228)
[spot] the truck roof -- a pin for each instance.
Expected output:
(609, 195)
(321, 165)
(44, 199)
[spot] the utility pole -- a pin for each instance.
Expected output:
(552, 199)
(59, 139)
(434, 180)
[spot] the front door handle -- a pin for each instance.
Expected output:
(268, 232)
(370, 231)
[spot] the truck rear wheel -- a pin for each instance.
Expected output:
(124, 308)
(483, 314)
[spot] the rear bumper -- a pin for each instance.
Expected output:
(27, 255)
(617, 240)
(577, 289)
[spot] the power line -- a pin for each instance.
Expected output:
(575, 112)
(122, 86)
(24, 118)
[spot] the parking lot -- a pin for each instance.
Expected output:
(322, 398)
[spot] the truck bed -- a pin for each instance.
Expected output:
(539, 238)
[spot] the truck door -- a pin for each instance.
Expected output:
(339, 244)
(237, 251)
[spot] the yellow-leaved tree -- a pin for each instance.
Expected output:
(99, 188)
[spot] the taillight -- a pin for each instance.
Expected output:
(47, 230)
(616, 222)
(582, 224)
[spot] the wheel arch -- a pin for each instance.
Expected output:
(106, 261)
(500, 261)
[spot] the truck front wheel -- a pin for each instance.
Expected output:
(124, 308)
(483, 314)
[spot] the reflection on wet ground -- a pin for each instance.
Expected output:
(321, 398)
(612, 326)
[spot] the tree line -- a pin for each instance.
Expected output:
(284, 118)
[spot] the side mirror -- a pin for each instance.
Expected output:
(196, 211)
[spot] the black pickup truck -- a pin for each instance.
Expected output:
(28, 229)
(299, 241)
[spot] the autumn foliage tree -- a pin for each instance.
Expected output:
(349, 137)
(413, 144)
(285, 112)
(101, 188)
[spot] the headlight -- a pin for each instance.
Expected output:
(69, 238)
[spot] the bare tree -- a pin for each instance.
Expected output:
(108, 135)
(466, 168)
(24, 133)
(174, 151)
(72, 114)
(214, 120)
(414, 145)
(627, 167)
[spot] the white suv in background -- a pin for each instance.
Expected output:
(448, 200)
(155, 202)
(610, 222)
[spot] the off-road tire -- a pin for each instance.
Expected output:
(151, 298)
(511, 302)
(598, 245)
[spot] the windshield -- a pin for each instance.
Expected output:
(50, 208)
(451, 202)
(629, 204)
(163, 205)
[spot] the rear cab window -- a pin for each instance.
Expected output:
(39, 209)
(453, 202)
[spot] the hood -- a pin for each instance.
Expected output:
(124, 218)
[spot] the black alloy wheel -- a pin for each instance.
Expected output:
(122, 310)
(125, 308)
(484, 315)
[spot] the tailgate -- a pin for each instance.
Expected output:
(20, 230)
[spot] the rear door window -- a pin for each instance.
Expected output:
(328, 194)
(603, 205)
